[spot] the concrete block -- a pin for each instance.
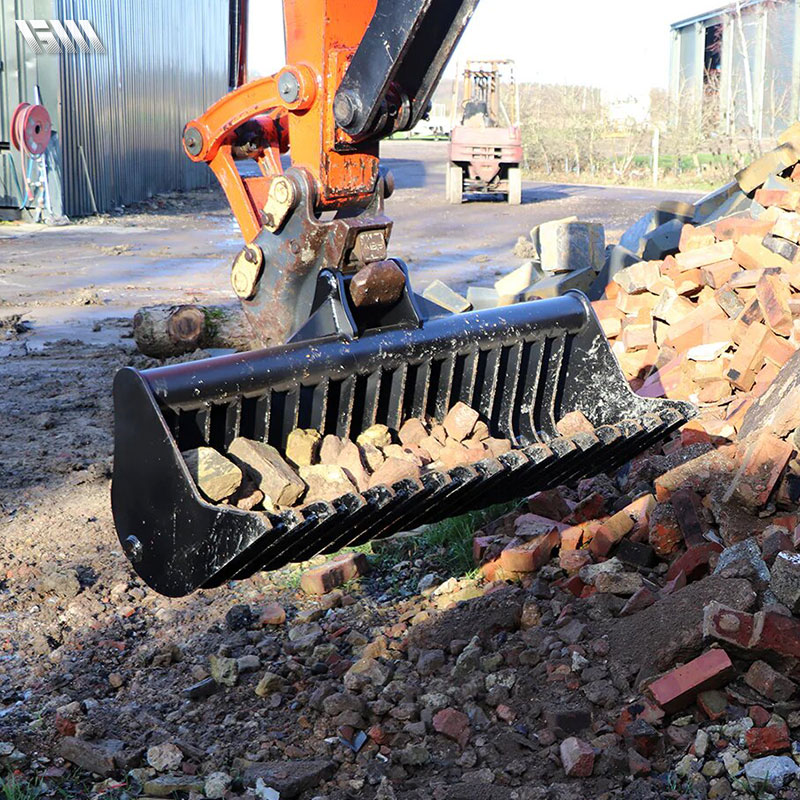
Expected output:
(440, 293)
(566, 246)
(482, 297)
(516, 281)
(559, 284)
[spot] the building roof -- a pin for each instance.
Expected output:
(726, 9)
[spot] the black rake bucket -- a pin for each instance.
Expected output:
(523, 367)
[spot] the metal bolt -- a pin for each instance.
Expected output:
(193, 140)
(134, 549)
(280, 190)
(344, 107)
(288, 87)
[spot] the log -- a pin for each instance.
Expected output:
(167, 331)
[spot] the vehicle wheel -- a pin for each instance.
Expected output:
(455, 184)
(514, 186)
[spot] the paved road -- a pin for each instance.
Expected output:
(67, 280)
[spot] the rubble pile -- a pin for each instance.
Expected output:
(253, 475)
(713, 312)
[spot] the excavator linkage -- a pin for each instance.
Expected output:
(523, 367)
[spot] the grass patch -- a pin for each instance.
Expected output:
(13, 789)
(447, 545)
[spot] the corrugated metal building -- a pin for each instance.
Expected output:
(737, 68)
(165, 61)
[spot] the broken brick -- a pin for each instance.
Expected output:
(577, 758)
(689, 514)
(764, 458)
(522, 556)
(696, 562)
(678, 688)
(714, 704)
(768, 682)
(773, 298)
(453, 724)
(771, 739)
(340, 569)
(748, 358)
(703, 256)
(549, 503)
(642, 737)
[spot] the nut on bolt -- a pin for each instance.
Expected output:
(193, 141)
(288, 87)
(280, 201)
(246, 271)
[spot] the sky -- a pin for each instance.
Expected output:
(616, 45)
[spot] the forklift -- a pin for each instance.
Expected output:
(485, 140)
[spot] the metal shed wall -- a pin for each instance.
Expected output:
(772, 50)
(22, 71)
(165, 62)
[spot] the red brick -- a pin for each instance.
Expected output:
(634, 303)
(696, 562)
(643, 708)
(703, 256)
(340, 569)
(764, 459)
(673, 380)
(776, 350)
(453, 724)
(572, 537)
(460, 421)
(776, 632)
(774, 542)
(748, 358)
(689, 514)
(769, 682)
(750, 253)
(664, 535)
(674, 585)
(728, 625)
(574, 586)
(637, 337)
(573, 423)
(772, 739)
(717, 275)
(759, 715)
(550, 503)
(642, 737)
(589, 508)
(714, 704)
(773, 298)
(679, 687)
(781, 198)
(577, 758)
(521, 556)
(636, 278)
(641, 599)
(694, 238)
(571, 561)
(480, 544)
(736, 227)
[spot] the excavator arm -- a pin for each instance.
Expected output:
(347, 342)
